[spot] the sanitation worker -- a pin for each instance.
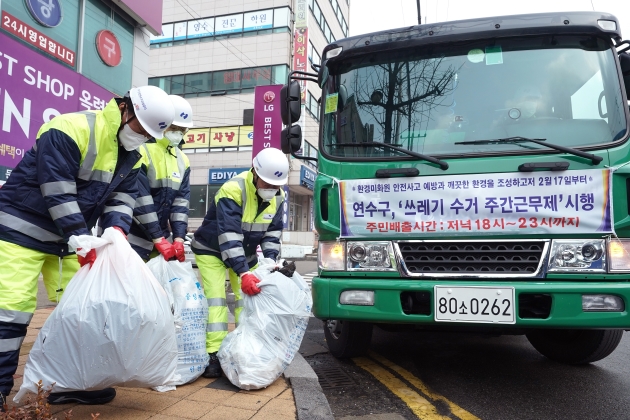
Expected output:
(164, 183)
(246, 212)
(83, 166)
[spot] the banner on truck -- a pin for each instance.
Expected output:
(479, 204)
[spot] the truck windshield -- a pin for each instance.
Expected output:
(564, 89)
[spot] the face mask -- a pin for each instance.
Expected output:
(528, 108)
(267, 194)
(174, 137)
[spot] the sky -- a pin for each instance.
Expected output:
(377, 15)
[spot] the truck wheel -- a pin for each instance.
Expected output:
(347, 338)
(575, 347)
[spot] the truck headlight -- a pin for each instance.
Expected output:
(374, 256)
(331, 256)
(571, 255)
(619, 255)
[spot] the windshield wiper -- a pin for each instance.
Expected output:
(443, 165)
(518, 139)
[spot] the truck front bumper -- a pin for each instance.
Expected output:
(565, 312)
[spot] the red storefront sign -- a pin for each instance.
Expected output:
(34, 37)
(108, 48)
(300, 56)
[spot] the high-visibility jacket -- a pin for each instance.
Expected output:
(163, 199)
(75, 173)
(237, 221)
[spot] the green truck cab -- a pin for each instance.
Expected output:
(474, 176)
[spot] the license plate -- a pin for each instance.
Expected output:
(493, 305)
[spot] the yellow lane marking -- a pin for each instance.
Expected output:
(416, 402)
(408, 376)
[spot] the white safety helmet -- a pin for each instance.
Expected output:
(153, 108)
(272, 166)
(183, 112)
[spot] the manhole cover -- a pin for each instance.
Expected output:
(332, 377)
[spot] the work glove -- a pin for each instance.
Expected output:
(165, 248)
(89, 258)
(249, 283)
(121, 231)
(178, 245)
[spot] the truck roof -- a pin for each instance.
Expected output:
(569, 23)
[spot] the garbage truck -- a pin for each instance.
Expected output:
(474, 176)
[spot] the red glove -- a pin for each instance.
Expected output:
(89, 258)
(165, 248)
(121, 231)
(180, 254)
(249, 284)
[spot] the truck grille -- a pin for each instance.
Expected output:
(516, 258)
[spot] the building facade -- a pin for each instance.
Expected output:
(214, 54)
(59, 56)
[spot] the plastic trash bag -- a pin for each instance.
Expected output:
(113, 326)
(272, 325)
(190, 308)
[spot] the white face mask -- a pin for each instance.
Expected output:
(267, 194)
(174, 137)
(129, 139)
(528, 108)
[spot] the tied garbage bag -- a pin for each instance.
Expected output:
(190, 308)
(113, 326)
(271, 329)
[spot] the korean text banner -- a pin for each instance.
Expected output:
(504, 203)
(33, 90)
(267, 118)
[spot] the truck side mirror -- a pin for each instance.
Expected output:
(290, 102)
(624, 60)
(291, 110)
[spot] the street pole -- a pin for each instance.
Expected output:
(419, 15)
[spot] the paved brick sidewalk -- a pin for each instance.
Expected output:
(204, 399)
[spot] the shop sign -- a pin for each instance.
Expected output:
(47, 12)
(267, 119)
(300, 57)
(108, 48)
(37, 39)
(35, 89)
(202, 138)
(307, 178)
(220, 175)
(224, 137)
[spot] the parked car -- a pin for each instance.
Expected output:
(189, 254)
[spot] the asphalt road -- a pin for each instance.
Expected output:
(488, 377)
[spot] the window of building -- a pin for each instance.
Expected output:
(228, 81)
(198, 201)
(321, 21)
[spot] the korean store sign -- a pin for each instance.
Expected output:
(300, 56)
(200, 138)
(108, 48)
(488, 204)
(37, 39)
(267, 119)
(46, 12)
(33, 90)
(219, 176)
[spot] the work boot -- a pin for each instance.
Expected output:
(3, 400)
(102, 396)
(213, 370)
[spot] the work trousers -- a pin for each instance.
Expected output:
(19, 271)
(212, 270)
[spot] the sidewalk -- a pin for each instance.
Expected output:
(204, 399)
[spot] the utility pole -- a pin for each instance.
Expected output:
(419, 15)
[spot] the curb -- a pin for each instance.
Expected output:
(310, 401)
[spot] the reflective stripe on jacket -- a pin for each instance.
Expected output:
(237, 222)
(163, 200)
(75, 173)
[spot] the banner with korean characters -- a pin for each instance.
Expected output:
(479, 204)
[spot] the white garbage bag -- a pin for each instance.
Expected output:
(113, 326)
(190, 308)
(270, 332)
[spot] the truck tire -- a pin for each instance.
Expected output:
(575, 347)
(347, 338)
